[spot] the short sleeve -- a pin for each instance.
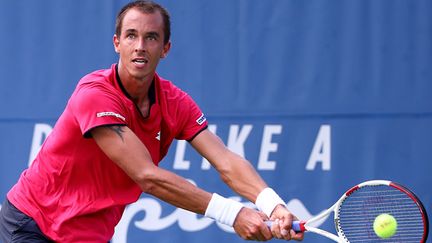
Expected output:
(192, 119)
(95, 105)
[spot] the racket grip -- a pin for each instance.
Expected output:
(297, 226)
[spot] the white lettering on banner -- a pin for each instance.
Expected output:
(237, 139)
(40, 132)
(267, 146)
(186, 221)
(321, 151)
(179, 162)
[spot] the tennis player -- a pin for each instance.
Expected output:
(105, 148)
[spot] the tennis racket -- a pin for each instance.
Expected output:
(356, 210)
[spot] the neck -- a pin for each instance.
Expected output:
(136, 88)
(140, 91)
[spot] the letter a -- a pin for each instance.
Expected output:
(321, 151)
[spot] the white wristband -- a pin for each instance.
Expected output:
(222, 209)
(267, 200)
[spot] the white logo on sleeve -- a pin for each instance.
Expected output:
(110, 113)
(201, 119)
(158, 135)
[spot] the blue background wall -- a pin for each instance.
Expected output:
(342, 86)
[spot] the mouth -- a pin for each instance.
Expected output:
(140, 61)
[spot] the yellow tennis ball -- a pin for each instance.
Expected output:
(385, 225)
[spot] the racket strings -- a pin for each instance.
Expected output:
(359, 210)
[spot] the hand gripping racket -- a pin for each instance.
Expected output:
(356, 210)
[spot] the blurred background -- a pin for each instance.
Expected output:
(319, 95)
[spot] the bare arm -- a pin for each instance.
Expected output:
(239, 174)
(122, 146)
(234, 170)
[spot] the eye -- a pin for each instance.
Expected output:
(152, 37)
(130, 36)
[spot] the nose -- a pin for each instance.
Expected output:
(140, 45)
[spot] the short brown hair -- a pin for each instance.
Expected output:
(148, 7)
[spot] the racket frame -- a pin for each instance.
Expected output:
(340, 237)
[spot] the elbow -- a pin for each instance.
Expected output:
(226, 172)
(147, 180)
(226, 178)
(230, 169)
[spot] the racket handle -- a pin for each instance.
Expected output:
(297, 226)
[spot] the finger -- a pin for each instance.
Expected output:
(285, 227)
(266, 232)
(259, 236)
(263, 216)
(296, 235)
(275, 229)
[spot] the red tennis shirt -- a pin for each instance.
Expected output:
(72, 190)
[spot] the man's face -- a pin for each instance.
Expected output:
(140, 44)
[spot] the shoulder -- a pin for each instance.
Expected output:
(179, 110)
(174, 99)
(97, 81)
(171, 91)
(96, 87)
(103, 76)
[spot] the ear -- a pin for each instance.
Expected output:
(166, 49)
(116, 43)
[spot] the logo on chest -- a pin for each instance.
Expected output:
(158, 136)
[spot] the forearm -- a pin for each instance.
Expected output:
(240, 176)
(237, 172)
(244, 179)
(175, 190)
(234, 170)
(181, 193)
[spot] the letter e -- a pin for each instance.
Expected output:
(267, 147)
